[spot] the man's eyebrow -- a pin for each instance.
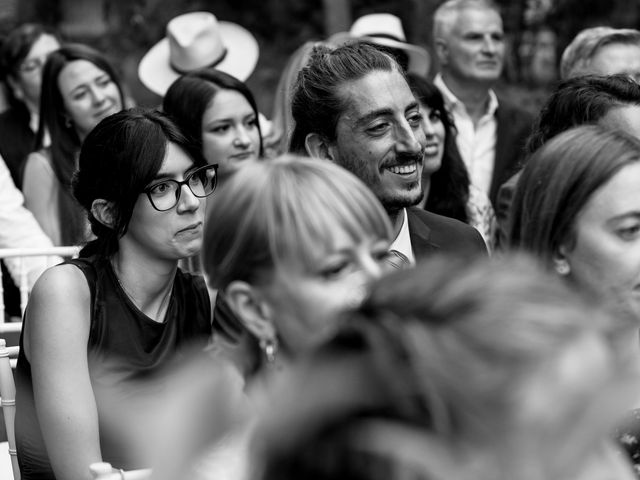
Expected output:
(368, 117)
(411, 106)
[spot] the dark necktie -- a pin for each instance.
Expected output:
(398, 260)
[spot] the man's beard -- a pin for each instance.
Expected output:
(394, 201)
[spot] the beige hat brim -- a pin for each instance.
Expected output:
(419, 59)
(155, 72)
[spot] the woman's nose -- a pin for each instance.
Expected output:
(242, 139)
(188, 201)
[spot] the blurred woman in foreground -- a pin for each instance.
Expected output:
(482, 371)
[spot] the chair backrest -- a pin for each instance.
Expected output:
(8, 401)
(19, 255)
(104, 471)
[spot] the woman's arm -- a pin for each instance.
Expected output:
(40, 188)
(55, 342)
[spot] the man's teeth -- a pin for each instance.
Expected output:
(403, 169)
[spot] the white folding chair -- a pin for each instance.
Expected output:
(104, 471)
(8, 402)
(23, 283)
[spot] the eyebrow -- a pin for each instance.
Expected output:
(170, 175)
(382, 113)
(89, 82)
(624, 216)
(230, 119)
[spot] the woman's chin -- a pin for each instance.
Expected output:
(430, 166)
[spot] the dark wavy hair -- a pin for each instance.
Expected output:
(449, 186)
(581, 100)
(119, 158)
(190, 95)
(316, 104)
(65, 143)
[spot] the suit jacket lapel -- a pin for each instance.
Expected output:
(503, 121)
(420, 235)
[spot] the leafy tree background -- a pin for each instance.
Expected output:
(131, 27)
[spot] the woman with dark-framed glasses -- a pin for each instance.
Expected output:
(122, 310)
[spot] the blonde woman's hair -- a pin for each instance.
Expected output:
(284, 210)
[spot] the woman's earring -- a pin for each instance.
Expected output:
(562, 267)
(270, 348)
(67, 122)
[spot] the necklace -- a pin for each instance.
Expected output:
(160, 313)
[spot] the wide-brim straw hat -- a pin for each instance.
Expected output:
(386, 30)
(197, 40)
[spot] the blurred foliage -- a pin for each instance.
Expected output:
(280, 26)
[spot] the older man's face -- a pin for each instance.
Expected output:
(617, 58)
(474, 49)
(379, 138)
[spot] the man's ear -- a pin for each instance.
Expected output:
(251, 309)
(102, 210)
(318, 146)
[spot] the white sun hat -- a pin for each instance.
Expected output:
(386, 30)
(197, 40)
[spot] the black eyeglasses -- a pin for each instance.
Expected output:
(166, 194)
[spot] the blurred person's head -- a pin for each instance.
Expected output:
(352, 105)
(489, 370)
(123, 183)
(612, 101)
(576, 208)
(23, 55)
(290, 243)
(278, 142)
(468, 38)
(445, 179)
(602, 51)
(219, 112)
(79, 88)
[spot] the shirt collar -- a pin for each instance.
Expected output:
(451, 101)
(402, 242)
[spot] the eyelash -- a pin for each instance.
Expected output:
(629, 233)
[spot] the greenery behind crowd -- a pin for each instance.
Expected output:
(537, 31)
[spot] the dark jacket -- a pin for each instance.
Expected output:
(431, 233)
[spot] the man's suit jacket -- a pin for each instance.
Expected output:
(431, 233)
(514, 126)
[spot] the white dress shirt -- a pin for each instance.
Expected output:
(402, 242)
(19, 229)
(477, 144)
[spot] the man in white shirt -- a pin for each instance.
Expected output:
(470, 49)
